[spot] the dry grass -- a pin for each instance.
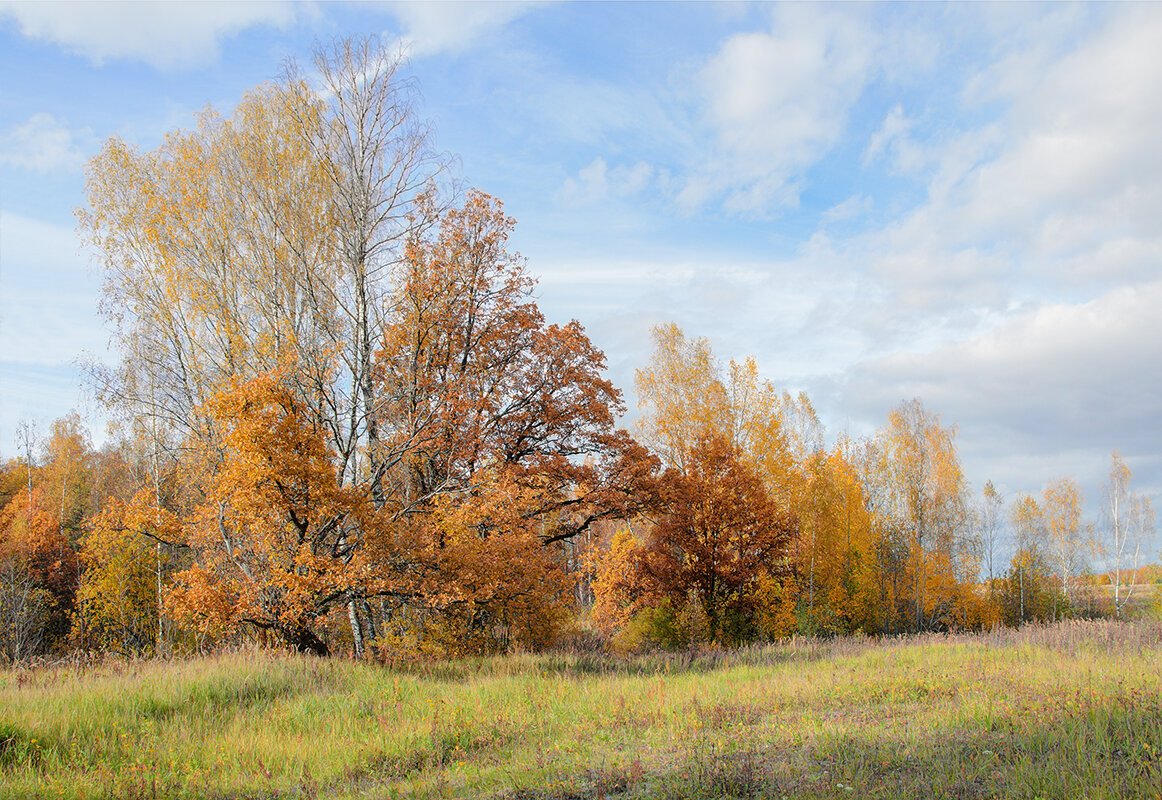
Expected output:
(1056, 711)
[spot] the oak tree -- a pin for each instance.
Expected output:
(719, 534)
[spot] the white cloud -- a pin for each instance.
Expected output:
(854, 206)
(452, 27)
(890, 132)
(43, 144)
(1055, 378)
(177, 34)
(777, 101)
(596, 182)
(1072, 167)
(1053, 196)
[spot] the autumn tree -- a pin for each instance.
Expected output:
(266, 238)
(835, 553)
(66, 475)
(120, 595)
(1065, 532)
(12, 480)
(478, 405)
(1028, 590)
(990, 520)
(1129, 524)
(127, 561)
(38, 574)
(1028, 536)
(272, 535)
(477, 391)
(720, 532)
(686, 394)
(922, 489)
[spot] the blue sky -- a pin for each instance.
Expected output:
(956, 202)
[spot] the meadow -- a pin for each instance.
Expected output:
(1068, 710)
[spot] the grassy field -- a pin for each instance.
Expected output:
(1073, 710)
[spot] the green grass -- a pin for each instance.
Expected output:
(1073, 710)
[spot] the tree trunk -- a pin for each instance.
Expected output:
(304, 640)
(356, 627)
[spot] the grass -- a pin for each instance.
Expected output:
(1073, 710)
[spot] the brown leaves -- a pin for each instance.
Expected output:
(720, 531)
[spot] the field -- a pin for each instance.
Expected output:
(1072, 710)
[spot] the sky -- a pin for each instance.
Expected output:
(961, 203)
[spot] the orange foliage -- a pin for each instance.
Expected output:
(35, 557)
(274, 534)
(719, 532)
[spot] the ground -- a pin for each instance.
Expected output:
(1069, 710)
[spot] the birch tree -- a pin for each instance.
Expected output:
(925, 492)
(1129, 525)
(991, 519)
(1064, 531)
(265, 241)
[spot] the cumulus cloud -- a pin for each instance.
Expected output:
(777, 101)
(1061, 377)
(179, 34)
(1066, 186)
(596, 182)
(451, 27)
(42, 144)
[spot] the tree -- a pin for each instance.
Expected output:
(687, 395)
(719, 534)
(470, 376)
(923, 490)
(835, 552)
(479, 397)
(261, 240)
(118, 598)
(482, 412)
(24, 608)
(303, 237)
(1129, 522)
(1028, 533)
(39, 574)
(26, 439)
(991, 519)
(66, 474)
(683, 394)
(272, 534)
(1028, 592)
(1061, 505)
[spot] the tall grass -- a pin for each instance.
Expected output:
(1056, 711)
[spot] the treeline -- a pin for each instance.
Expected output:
(738, 524)
(347, 427)
(762, 531)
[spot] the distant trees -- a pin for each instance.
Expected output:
(874, 536)
(460, 547)
(990, 520)
(1064, 530)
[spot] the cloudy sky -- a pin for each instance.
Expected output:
(957, 202)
